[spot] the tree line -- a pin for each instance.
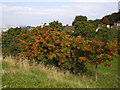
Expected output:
(82, 26)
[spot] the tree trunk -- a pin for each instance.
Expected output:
(96, 73)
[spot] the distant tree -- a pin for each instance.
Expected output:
(106, 21)
(56, 25)
(79, 18)
(95, 22)
(114, 17)
(84, 29)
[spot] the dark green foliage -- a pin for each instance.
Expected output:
(95, 22)
(84, 29)
(79, 18)
(107, 34)
(56, 25)
(10, 42)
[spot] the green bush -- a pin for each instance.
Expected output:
(10, 42)
(52, 47)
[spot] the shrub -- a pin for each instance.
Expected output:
(52, 47)
(65, 51)
(10, 42)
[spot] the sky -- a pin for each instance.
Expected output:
(38, 12)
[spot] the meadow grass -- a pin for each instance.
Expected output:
(22, 75)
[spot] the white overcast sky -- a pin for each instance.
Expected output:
(36, 12)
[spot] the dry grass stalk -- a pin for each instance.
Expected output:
(10, 60)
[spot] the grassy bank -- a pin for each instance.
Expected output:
(22, 75)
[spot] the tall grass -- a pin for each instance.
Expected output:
(21, 74)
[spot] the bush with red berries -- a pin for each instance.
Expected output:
(43, 44)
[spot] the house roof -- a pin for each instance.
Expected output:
(71, 28)
(118, 21)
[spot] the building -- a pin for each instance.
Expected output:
(70, 28)
(26, 27)
(108, 26)
(118, 23)
(3, 29)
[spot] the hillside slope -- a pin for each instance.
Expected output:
(22, 75)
